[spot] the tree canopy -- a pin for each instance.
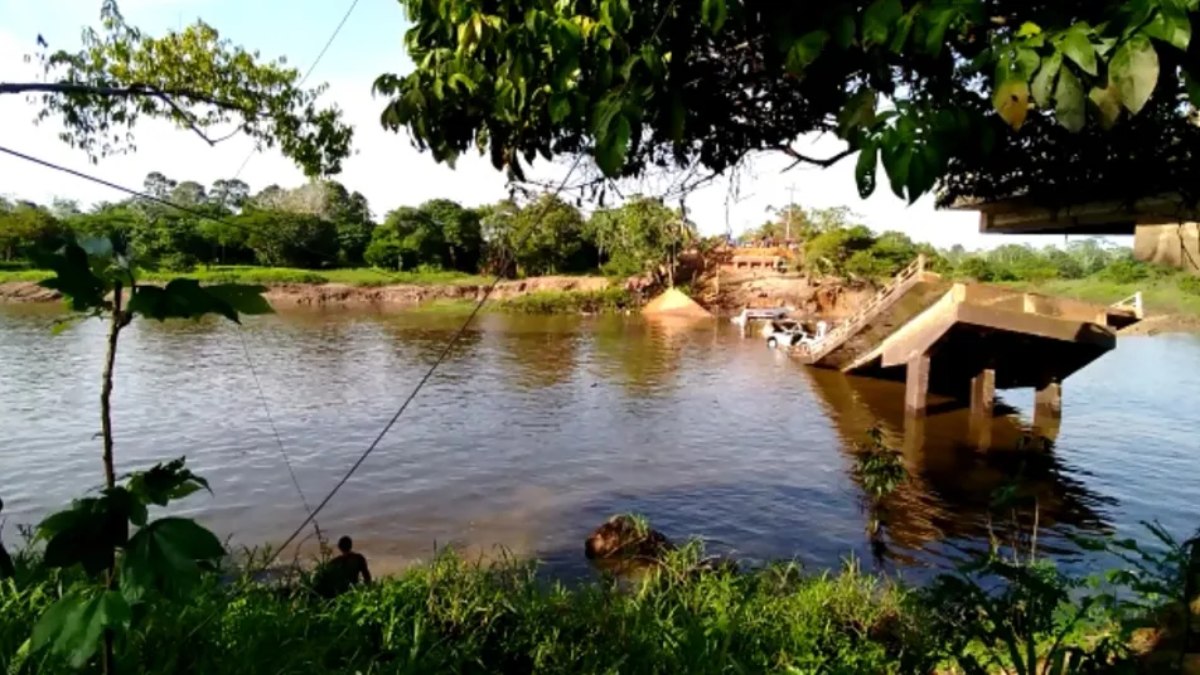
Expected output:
(192, 78)
(986, 99)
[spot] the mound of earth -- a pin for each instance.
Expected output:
(673, 302)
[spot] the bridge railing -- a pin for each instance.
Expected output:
(1135, 302)
(856, 321)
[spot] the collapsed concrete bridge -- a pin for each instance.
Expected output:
(965, 340)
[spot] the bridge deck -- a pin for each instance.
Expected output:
(965, 329)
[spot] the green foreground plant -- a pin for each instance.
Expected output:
(117, 577)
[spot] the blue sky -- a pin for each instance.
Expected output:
(385, 167)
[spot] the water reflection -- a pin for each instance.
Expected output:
(951, 496)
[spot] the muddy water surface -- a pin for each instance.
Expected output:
(539, 427)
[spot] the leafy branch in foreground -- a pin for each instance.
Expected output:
(921, 86)
(193, 79)
(163, 556)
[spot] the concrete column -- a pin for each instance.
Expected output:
(916, 391)
(1047, 409)
(983, 393)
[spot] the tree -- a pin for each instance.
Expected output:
(461, 233)
(978, 97)
(830, 251)
(25, 226)
(407, 239)
(639, 237)
(286, 239)
(192, 78)
(229, 194)
(545, 236)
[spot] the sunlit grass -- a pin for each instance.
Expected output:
(1161, 295)
(452, 616)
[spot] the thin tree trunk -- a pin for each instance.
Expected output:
(110, 357)
(110, 475)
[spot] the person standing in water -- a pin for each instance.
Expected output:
(343, 571)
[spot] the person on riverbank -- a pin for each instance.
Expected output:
(7, 569)
(345, 570)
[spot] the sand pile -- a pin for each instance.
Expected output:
(673, 302)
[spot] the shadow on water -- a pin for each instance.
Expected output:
(948, 506)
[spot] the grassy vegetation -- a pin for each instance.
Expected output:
(452, 616)
(1174, 294)
(612, 299)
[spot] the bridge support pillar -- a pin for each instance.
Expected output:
(983, 408)
(916, 391)
(1047, 409)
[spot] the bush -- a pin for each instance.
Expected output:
(1125, 271)
(572, 302)
(1189, 284)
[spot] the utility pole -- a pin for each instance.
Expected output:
(791, 203)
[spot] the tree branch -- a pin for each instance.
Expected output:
(136, 90)
(804, 159)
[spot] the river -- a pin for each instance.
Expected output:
(537, 428)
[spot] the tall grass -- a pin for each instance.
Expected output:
(451, 616)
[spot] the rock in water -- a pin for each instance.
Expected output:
(674, 302)
(626, 537)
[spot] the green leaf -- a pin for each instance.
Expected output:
(461, 80)
(858, 113)
(612, 146)
(1029, 29)
(879, 19)
(864, 170)
(713, 14)
(1134, 70)
(1077, 45)
(243, 298)
(166, 556)
(1171, 25)
(1043, 82)
(1193, 88)
(897, 159)
(805, 50)
(937, 21)
(72, 626)
(1069, 104)
(164, 483)
(560, 107)
(1108, 103)
(87, 533)
(187, 299)
(74, 278)
(903, 27)
(844, 29)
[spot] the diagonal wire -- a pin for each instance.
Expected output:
(275, 431)
(426, 377)
(311, 68)
(245, 346)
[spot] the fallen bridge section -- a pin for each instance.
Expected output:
(966, 340)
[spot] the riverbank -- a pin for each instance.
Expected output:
(682, 615)
(1170, 307)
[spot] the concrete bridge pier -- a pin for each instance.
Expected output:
(983, 408)
(1047, 409)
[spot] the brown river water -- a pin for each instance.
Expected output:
(537, 428)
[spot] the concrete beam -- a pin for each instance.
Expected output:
(916, 391)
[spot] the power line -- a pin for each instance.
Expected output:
(146, 196)
(311, 68)
(428, 374)
(245, 346)
(275, 431)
